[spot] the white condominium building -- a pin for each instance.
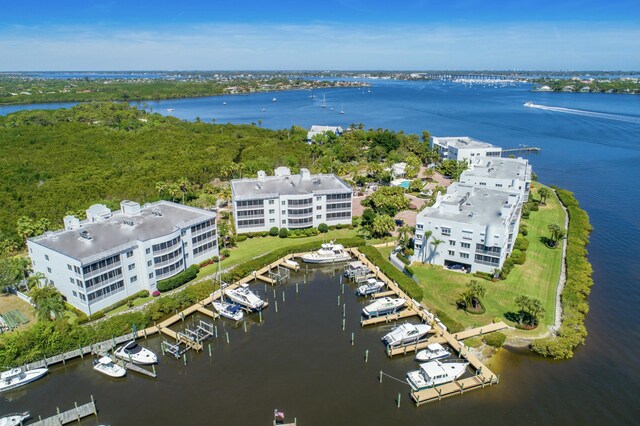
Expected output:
(321, 130)
(476, 228)
(290, 201)
(463, 148)
(111, 255)
(503, 174)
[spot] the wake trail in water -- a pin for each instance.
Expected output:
(585, 113)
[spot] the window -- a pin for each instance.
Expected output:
(284, 212)
(419, 226)
(272, 221)
(133, 279)
(272, 211)
(318, 207)
(133, 265)
(46, 256)
(151, 276)
(318, 216)
(464, 255)
(284, 203)
(465, 245)
(284, 221)
(271, 202)
(483, 183)
(74, 293)
(48, 269)
(452, 242)
(129, 254)
(445, 230)
(69, 267)
(498, 185)
(149, 263)
(72, 280)
(452, 253)
(148, 251)
(76, 269)
(318, 198)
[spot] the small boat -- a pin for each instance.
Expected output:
(15, 377)
(224, 103)
(292, 264)
(528, 104)
(383, 306)
(341, 109)
(436, 373)
(434, 351)
(105, 365)
(274, 100)
(136, 354)
(14, 419)
(324, 101)
(263, 109)
(406, 333)
(328, 253)
(170, 109)
(370, 287)
(331, 108)
(278, 417)
(355, 269)
(228, 310)
(245, 297)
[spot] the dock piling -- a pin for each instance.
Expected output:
(353, 338)
(209, 345)
(245, 326)
(338, 300)
(276, 306)
(184, 357)
(343, 321)
(399, 399)
(296, 288)
(284, 299)
(227, 333)
(380, 376)
(259, 314)
(366, 355)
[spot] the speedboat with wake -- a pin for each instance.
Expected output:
(383, 306)
(245, 297)
(328, 253)
(528, 104)
(228, 310)
(136, 353)
(436, 373)
(406, 333)
(105, 365)
(16, 377)
(434, 351)
(14, 419)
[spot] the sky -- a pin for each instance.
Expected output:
(325, 35)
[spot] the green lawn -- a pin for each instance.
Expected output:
(254, 247)
(137, 302)
(538, 278)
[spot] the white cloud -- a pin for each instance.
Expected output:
(322, 46)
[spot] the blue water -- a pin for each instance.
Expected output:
(592, 148)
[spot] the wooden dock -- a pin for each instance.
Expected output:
(73, 415)
(406, 313)
(381, 294)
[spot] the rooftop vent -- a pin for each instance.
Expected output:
(128, 222)
(156, 212)
(316, 181)
(86, 235)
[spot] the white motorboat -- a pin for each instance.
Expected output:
(245, 297)
(406, 333)
(383, 306)
(434, 351)
(15, 377)
(105, 365)
(528, 104)
(170, 109)
(370, 287)
(436, 373)
(292, 264)
(274, 100)
(136, 353)
(228, 310)
(14, 419)
(355, 269)
(328, 253)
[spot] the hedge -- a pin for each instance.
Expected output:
(406, 284)
(453, 326)
(102, 313)
(577, 288)
(495, 339)
(177, 280)
(247, 268)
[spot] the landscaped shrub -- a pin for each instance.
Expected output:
(495, 339)
(178, 280)
(484, 275)
(242, 237)
(406, 284)
(521, 243)
(155, 293)
(225, 253)
(274, 231)
(283, 233)
(125, 301)
(339, 226)
(523, 229)
(408, 270)
(518, 257)
(507, 267)
(453, 326)
(402, 258)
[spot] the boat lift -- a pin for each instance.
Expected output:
(280, 274)
(202, 332)
(176, 350)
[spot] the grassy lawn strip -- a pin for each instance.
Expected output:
(538, 278)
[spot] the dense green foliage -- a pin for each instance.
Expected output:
(495, 339)
(453, 326)
(97, 315)
(177, 280)
(404, 282)
(577, 288)
(626, 86)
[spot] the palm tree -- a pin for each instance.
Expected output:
(48, 303)
(403, 235)
(536, 311)
(522, 302)
(435, 243)
(184, 185)
(544, 193)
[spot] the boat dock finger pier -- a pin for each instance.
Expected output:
(74, 415)
(482, 377)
